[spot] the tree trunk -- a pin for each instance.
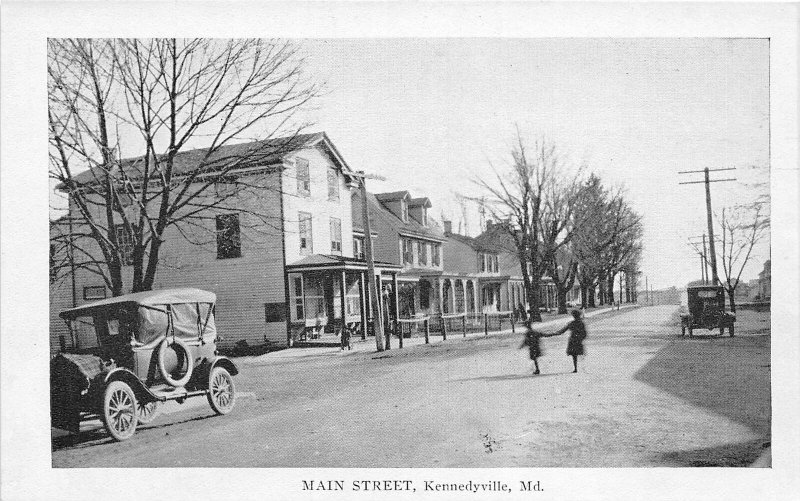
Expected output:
(592, 303)
(610, 289)
(584, 296)
(731, 299)
(562, 298)
(533, 299)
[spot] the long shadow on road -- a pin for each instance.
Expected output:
(728, 376)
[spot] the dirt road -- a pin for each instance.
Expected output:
(643, 397)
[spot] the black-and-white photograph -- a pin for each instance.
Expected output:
(209, 248)
(416, 252)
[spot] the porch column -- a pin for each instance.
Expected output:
(453, 296)
(343, 291)
(396, 293)
(440, 294)
(476, 297)
(362, 295)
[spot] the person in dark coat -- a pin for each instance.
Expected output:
(577, 334)
(531, 340)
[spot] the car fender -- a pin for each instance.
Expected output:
(225, 362)
(142, 392)
(203, 371)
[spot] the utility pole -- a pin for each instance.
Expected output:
(707, 181)
(377, 317)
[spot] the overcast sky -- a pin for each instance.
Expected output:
(431, 114)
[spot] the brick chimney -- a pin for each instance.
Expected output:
(448, 227)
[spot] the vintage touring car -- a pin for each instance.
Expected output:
(706, 310)
(133, 352)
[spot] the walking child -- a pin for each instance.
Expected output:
(534, 347)
(577, 334)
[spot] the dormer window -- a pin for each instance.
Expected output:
(425, 216)
(404, 210)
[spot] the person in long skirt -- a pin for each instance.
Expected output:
(577, 334)
(531, 340)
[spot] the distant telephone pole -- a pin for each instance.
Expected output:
(707, 181)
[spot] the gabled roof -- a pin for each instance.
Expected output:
(379, 214)
(496, 237)
(391, 196)
(423, 201)
(230, 157)
(476, 244)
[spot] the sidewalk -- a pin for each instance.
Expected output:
(368, 345)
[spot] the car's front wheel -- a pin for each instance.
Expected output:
(222, 392)
(119, 410)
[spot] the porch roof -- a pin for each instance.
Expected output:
(334, 262)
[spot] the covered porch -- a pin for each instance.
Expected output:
(329, 295)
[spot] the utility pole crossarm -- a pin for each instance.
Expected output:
(710, 181)
(707, 182)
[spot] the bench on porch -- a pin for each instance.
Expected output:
(313, 328)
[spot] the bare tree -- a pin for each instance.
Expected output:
(521, 197)
(742, 228)
(609, 239)
(160, 97)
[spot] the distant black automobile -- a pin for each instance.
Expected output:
(706, 305)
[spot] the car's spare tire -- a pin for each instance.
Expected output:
(168, 370)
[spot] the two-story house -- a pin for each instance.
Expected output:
(482, 276)
(404, 234)
(279, 258)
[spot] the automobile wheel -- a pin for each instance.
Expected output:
(119, 410)
(730, 330)
(222, 392)
(174, 343)
(683, 329)
(146, 413)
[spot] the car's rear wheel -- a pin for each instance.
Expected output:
(146, 413)
(119, 410)
(222, 392)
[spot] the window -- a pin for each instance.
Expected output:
(296, 299)
(424, 216)
(408, 253)
(482, 262)
(336, 235)
(435, 254)
(229, 243)
(224, 188)
(303, 177)
(94, 292)
(422, 253)
(488, 263)
(358, 247)
(306, 246)
(333, 184)
(125, 243)
(404, 210)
